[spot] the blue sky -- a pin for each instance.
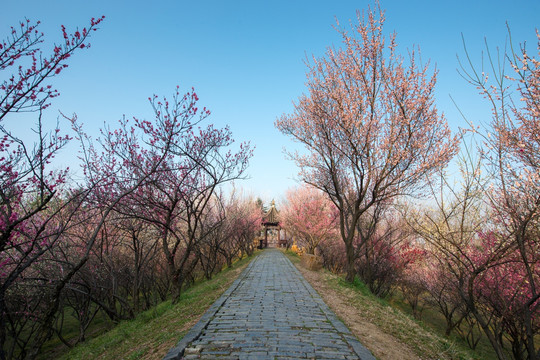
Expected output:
(245, 59)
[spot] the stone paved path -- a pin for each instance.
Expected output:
(269, 312)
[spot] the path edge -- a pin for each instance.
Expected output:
(360, 350)
(177, 351)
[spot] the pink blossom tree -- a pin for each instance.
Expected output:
(310, 216)
(505, 291)
(370, 127)
(510, 150)
(387, 253)
(450, 228)
(485, 234)
(242, 222)
(215, 238)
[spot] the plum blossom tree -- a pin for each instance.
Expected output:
(450, 229)
(138, 217)
(30, 221)
(310, 216)
(485, 235)
(242, 221)
(246, 218)
(166, 173)
(26, 88)
(510, 150)
(215, 237)
(370, 127)
(504, 289)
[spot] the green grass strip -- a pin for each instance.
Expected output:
(152, 333)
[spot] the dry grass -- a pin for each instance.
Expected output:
(387, 332)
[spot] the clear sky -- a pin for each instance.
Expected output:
(245, 59)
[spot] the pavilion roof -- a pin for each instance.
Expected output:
(272, 215)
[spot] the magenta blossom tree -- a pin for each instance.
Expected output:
(166, 173)
(32, 212)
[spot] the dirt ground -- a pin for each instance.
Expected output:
(382, 345)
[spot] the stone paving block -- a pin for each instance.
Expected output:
(270, 312)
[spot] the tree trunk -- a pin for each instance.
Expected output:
(135, 290)
(491, 335)
(351, 271)
(176, 288)
(3, 335)
(368, 274)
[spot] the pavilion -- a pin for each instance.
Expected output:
(272, 226)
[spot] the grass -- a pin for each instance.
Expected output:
(392, 316)
(152, 333)
(403, 326)
(434, 321)
(70, 331)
